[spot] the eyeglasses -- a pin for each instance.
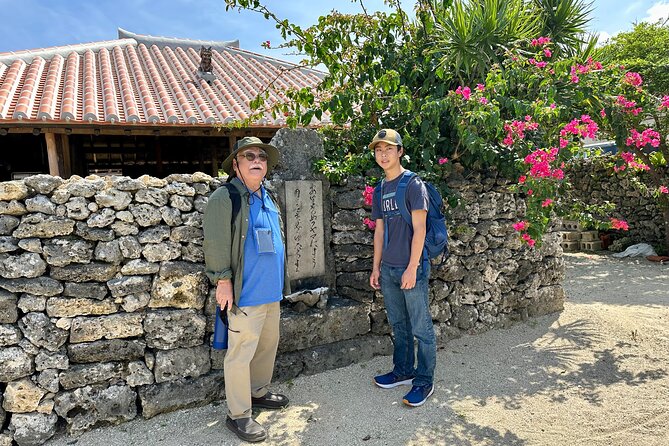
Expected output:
(251, 156)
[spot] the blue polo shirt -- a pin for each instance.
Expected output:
(263, 272)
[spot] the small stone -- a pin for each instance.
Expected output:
(22, 396)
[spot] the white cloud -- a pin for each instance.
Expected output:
(603, 36)
(633, 7)
(659, 11)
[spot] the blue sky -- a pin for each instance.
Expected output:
(32, 24)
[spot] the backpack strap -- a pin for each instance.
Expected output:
(400, 196)
(235, 198)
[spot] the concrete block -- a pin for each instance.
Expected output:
(570, 246)
(591, 246)
(570, 225)
(590, 236)
(570, 236)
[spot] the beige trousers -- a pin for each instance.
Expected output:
(249, 361)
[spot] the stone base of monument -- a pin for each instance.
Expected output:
(330, 356)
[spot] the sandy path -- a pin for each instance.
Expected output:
(595, 374)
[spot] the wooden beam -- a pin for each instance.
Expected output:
(52, 153)
(139, 130)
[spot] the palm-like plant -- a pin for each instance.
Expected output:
(565, 22)
(472, 35)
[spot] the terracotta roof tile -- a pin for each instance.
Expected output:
(140, 80)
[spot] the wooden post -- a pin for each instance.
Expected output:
(232, 140)
(52, 153)
(215, 161)
(67, 157)
(159, 157)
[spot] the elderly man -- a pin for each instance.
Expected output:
(245, 259)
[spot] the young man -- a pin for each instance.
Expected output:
(402, 274)
(245, 259)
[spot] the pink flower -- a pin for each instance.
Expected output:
(542, 64)
(540, 162)
(522, 179)
(619, 224)
(547, 202)
(466, 92)
(368, 195)
(602, 113)
(627, 156)
(633, 78)
(370, 223)
(480, 87)
(640, 140)
(540, 41)
(584, 127)
(665, 102)
(442, 161)
(528, 239)
(530, 192)
(521, 226)
(574, 79)
(563, 143)
(547, 52)
(483, 100)
(664, 190)
(516, 129)
(553, 106)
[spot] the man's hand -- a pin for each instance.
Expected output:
(408, 278)
(374, 279)
(224, 293)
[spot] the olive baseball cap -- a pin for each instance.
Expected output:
(245, 143)
(387, 135)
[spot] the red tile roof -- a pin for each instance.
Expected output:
(139, 80)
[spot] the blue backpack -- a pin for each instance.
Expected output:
(436, 237)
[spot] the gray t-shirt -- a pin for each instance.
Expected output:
(398, 251)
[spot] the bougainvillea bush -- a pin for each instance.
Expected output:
(535, 114)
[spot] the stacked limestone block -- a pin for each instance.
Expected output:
(102, 292)
(490, 279)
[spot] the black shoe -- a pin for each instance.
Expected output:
(270, 401)
(247, 429)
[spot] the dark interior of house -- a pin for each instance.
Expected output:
(25, 154)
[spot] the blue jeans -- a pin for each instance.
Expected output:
(409, 316)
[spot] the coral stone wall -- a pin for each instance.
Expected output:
(106, 314)
(595, 182)
(102, 293)
(489, 280)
